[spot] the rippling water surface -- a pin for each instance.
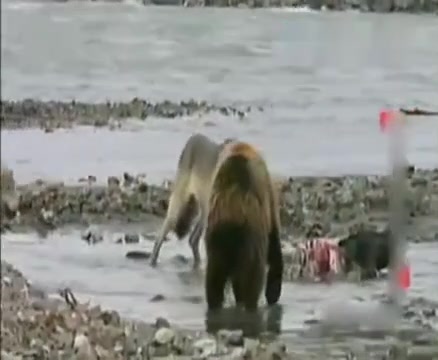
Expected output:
(321, 78)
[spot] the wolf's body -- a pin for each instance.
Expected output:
(242, 231)
(196, 164)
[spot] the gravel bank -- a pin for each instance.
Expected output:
(309, 206)
(51, 115)
(35, 325)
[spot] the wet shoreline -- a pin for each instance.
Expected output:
(310, 207)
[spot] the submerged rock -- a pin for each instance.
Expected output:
(138, 255)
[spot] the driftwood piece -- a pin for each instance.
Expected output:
(417, 111)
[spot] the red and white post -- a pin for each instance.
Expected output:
(393, 123)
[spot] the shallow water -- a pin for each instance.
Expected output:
(102, 273)
(153, 148)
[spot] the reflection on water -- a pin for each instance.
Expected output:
(268, 318)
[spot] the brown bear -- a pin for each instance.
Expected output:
(243, 230)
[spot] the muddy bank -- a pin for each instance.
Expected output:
(51, 115)
(313, 206)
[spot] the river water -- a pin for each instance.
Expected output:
(321, 77)
(314, 73)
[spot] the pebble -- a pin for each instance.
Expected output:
(161, 322)
(164, 335)
(113, 183)
(205, 347)
(429, 313)
(251, 346)
(92, 235)
(238, 353)
(128, 179)
(82, 346)
(231, 338)
(157, 298)
(180, 260)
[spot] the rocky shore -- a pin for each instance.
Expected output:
(37, 325)
(332, 206)
(51, 115)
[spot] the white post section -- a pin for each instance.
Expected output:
(397, 204)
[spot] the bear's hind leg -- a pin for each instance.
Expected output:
(251, 284)
(216, 279)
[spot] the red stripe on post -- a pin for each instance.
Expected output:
(404, 277)
(386, 117)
